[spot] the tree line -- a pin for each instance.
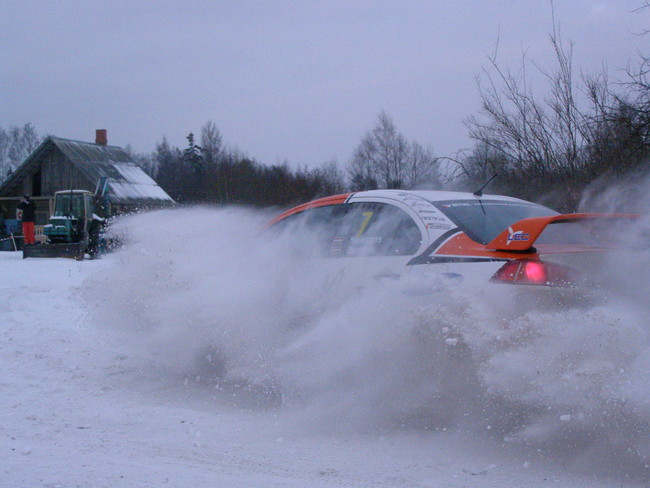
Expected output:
(207, 172)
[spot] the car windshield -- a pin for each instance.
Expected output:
(483, 220)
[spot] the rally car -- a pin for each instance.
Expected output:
(461, 236)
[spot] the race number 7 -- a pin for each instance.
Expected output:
(367, 216)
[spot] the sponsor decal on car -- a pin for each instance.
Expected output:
(435, 225)
(518, 235)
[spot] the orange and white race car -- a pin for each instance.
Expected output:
(464, 236)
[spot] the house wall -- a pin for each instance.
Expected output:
(57, 173)
(9, 205)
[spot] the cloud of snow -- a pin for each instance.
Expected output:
(628, 193)
(207, 296)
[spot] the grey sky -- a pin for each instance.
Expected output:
(283, 80)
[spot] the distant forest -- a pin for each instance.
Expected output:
(582, 132)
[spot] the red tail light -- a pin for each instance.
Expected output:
(532, 272)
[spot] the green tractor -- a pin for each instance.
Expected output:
(74, 229)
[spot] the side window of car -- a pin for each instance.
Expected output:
(373, 229)
(355, 229)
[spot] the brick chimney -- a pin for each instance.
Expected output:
(101, 137)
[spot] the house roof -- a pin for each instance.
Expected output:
(127, 182)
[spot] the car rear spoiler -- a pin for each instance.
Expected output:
(521, 235)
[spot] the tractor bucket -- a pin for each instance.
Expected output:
(67, 250)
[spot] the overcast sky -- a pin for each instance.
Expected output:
(300, 81)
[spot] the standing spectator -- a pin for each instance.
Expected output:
(28, 211)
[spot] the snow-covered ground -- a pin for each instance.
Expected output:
(200, 355)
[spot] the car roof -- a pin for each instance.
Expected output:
(432, 195)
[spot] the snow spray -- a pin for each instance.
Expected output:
(209, 296)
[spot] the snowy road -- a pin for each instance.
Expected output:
(90, 405)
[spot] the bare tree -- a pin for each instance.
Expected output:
(385, 159)
(638, 88)
(216, 178)
(421, 167)
(540, 141)
(16, 144)
(474, 168)
(329, 178)
(513, 121)
(361, 173)
(211, 143)
(381, 154)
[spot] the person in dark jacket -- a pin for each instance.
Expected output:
(28, 212)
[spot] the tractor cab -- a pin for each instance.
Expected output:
(73, 213)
